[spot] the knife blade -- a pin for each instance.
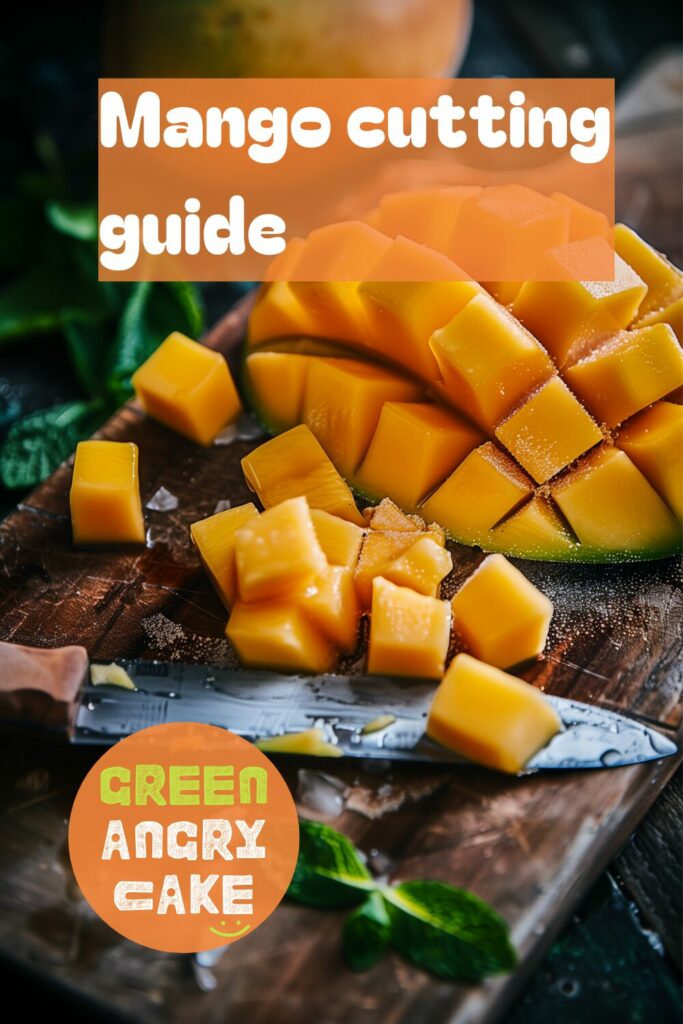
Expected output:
(259, 705)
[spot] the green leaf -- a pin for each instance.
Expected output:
(78, 220)
(366, 932)
(86, 338)
(448, 931)
(151, 313)
(38, 443)
(329, 871)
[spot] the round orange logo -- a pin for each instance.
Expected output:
(183, 837)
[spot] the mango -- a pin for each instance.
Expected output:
(422, 567)
(664, 281)
(277, 552)
(485, 487)
(628, 372)
(277, 313)
(550, 430)
(278, 635)
(409, 632)
(279, 380)
(425, 215)
(610, 506)
(340, 540)
(331, 604)
(293, 464)
(388, 516)
(536, 530)
(105, 494)
(489, 716)
(653, 440)
(188, 388)
(671, 315)
(309, 742)
(415, 446)
(570, 317)
(584, 221)
(214, 539)
(488, 361)
(500, 614)
(380, 548)
(342, 405)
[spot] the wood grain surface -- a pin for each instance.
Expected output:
(530, 846)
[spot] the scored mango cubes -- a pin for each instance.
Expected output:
(422, 566)
(501, 615)
(653, 440)
(188, 388)
(489, 716)
(278, 635)
(214, 539)
(409, 632)
(340, 540)
(105, 494)
(278, 552)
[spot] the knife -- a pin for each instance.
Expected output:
(51, 688)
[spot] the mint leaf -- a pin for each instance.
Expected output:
(329, 871)
(86, 338)
(448, 931)
(38, 443)
(366, 932)
(78, 220)
(189, 301)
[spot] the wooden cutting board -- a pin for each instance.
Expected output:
(530, 846)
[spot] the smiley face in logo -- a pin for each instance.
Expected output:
(231, 935)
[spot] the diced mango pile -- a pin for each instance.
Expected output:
(549, 427)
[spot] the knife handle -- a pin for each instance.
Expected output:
(39, 686)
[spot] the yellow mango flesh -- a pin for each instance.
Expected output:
(569, 317)
(488, 360)
(536, 531)
(310, 742)
(332, 606)
(610, 506)
(340, 540)
(489, 716)
(293, 464)
(671, 315)
(342, 404)
(627, 373)
(584, 221)
(549, 431)
(388, 516)
(214, 539)
(501, 615)
(486, 486)
(279, 380)
(277, 313)
(188, 388)
(277, 552)
(653, 440)
(105, 494)
(415, 446)
(278, 635)
(422, 567)
(409, 632)
(427, 216)
(664, 281)
(380, 548)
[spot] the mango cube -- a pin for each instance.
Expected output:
(664, 281)
(343, 402)
(105, 494)
(277, 313)
(501, 615)
(489, 716)
(534, 531)
(331, 603)
(214, 539)
(610, 506)
(671, 315)
(388, 516)
(278, 380)
(309, 742)
(188, 388)
(548, 431)
(340, 540)
(293, 464)
(416, 445)
(425, 215)
(653, 440)
(422, 566)
(278, 635)
(380, 548)
(584, 221)
(409, 632)
(277, 552)
(485, 487)
(570, 316)
(488, 360)
(628, 372)
(403, 314)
